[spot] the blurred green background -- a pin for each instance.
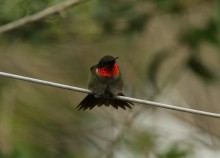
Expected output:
(168, 52)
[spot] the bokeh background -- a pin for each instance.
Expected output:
(168, 52)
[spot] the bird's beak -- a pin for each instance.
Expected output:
(116, 58)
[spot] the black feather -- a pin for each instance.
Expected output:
(90, 101)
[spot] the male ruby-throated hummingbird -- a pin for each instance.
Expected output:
(105, 82)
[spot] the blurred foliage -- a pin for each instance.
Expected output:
(200, 69)
(110, 16)
(41, 121)
(175, 151)
(170, 6)
(155, 65)
(120, 16)
(142, 142)
(194, 36)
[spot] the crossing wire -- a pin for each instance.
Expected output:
(140, 101)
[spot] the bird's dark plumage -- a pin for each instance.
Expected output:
(90, 101)
(105, 82)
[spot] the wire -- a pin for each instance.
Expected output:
(53, 84)
(82, 90)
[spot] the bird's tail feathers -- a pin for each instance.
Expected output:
(90, 101)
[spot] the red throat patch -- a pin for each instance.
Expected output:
(108, 71)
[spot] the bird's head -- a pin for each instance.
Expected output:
(107, 66)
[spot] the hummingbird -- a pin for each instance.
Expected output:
(105, 82)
